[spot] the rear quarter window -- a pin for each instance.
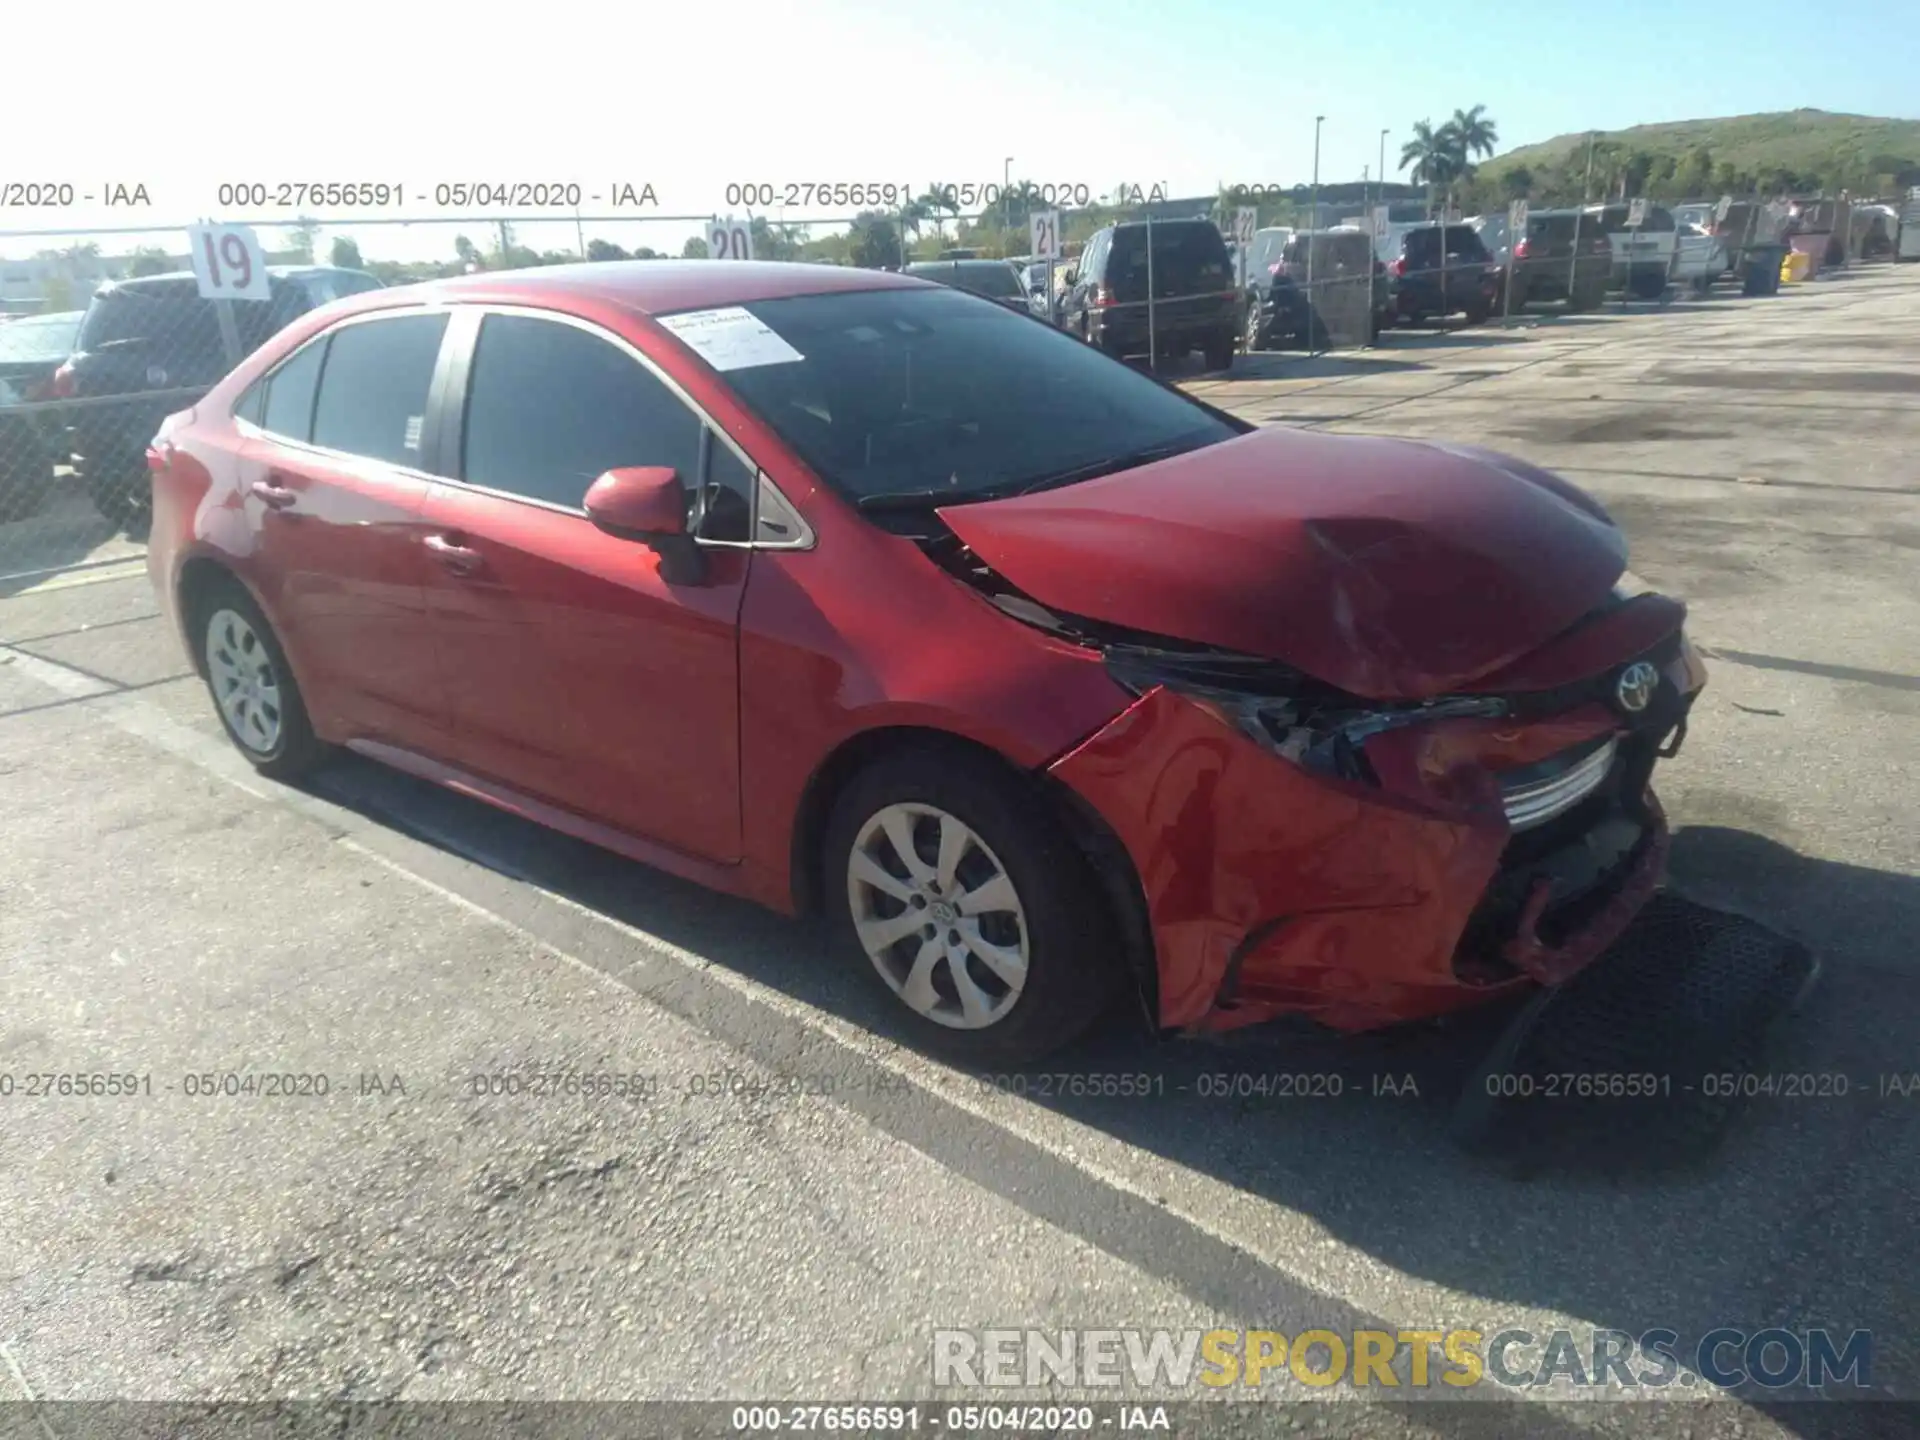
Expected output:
(373, 388)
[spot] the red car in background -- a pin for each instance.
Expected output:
(828, 587)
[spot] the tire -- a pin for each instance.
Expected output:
(116, 482)
(1251, 331)
(1056, 918)
(26, 473)
(1219, 351)
(1478, 315)
(232, 637)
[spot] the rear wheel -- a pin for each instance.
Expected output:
(970, 904)
(116, 482)
(252, 686)
(1219, 351)
(1250, 329)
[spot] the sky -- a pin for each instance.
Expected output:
(689, 97)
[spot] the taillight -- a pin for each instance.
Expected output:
(1398, 267)
(62, 386)
(1102, 297)
(1521, 250)
(1276, 267)
(157, 457)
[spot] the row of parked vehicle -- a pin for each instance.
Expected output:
(142, 349)
(1346, 283)
(147, 347)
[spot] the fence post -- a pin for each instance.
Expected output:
(1153, 337)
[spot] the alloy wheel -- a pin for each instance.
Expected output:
(938, 915)
(245, 684)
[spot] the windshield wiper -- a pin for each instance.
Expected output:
(919, 499)
(1110, 466)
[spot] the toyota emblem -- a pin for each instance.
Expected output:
(1635, 687)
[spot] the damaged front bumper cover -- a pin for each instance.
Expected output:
(1315, 873)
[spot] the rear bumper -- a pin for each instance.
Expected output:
(1126, 328)
(1271, 889)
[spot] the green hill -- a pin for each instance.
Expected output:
(1792, 148)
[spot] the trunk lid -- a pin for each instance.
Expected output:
(1393, 569)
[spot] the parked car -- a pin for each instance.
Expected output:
(1326, 287)
(1643, 255)
(1262, 272)
(601, 551)
(1424, 284)
(151, 342)
(995, 280)
(1195, 302)
(1699, 258)
(32, 350)
(1564, 255)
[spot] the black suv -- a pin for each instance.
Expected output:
(1565, 255)
(1314, 289)
(1195, 301)
(1423, 284)
(153, 344)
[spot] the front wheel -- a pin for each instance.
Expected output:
(971, 905)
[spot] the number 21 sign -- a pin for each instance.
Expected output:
(228, 263)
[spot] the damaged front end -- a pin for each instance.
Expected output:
(1309, 851)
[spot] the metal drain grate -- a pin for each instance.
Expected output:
(1686, 993)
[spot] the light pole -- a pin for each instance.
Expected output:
(1383, 167)
(1006, 196)
(1313, 226)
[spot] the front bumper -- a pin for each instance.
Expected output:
(1271, 889)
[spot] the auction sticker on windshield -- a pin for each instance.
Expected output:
(731, 338)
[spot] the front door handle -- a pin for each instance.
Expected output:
(272, 494)
(459, 559)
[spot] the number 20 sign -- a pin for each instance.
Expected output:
(729, 240)
(228, 263)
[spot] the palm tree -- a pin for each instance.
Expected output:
(1474, 132)
(1434, 156)
(937, 204)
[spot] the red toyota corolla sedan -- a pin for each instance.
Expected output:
(830, 587)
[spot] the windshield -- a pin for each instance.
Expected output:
(929, 391)
(40, 337)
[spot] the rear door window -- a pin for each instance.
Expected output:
(374, 386)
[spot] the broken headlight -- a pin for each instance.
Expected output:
(1284, 712)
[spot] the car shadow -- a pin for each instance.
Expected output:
(1725, 1237)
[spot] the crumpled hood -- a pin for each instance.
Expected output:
(1393, 569)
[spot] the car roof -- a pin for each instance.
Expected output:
(646, 287)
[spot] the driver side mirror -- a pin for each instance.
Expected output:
(648, 504)
(1071, 275)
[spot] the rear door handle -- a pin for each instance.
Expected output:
(272, 494)
(459, 559)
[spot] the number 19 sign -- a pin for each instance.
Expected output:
(228, 263)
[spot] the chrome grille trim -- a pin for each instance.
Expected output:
(1539, 801)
